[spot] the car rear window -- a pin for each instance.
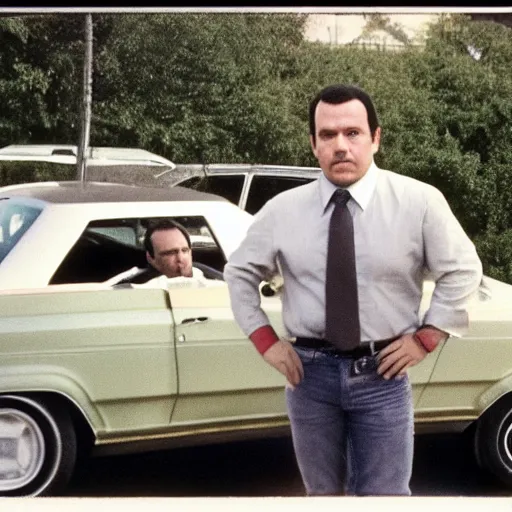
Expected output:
(264, 187)
(229, 187)
(15, 219)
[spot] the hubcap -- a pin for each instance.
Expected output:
(21, 449)
(507, 444)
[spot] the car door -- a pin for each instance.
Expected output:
(221, 376)
(475, 370)
(110, 351)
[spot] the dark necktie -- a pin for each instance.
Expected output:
(341, 303)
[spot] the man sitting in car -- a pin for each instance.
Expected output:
(169, 254)
(169, 250)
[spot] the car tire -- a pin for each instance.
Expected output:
(493, 441)
(42, 452)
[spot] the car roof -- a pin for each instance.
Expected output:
(67, 154)
(65, 192)
(273, 170)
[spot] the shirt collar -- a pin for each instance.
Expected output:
(361, 190)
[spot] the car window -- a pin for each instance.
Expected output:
(15, 219)
(265, 187)
(108, 247)
(124, 234)
(229, 187)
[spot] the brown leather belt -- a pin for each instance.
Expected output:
(365, 349)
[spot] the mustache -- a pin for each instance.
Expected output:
(339, 159)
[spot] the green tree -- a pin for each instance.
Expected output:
(41, 77)
(197, 87)
(469, 79)
(22, 86)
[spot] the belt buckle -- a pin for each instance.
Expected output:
(373, 351)
(364, 366)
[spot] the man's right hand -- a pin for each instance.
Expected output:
(283, 358)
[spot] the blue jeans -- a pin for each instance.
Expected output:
(351, 434)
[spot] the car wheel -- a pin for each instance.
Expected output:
(37, 447)
(493, 440)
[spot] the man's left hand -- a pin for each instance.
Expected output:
(398, 356)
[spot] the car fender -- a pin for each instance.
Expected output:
(491, 395)
(50, 379)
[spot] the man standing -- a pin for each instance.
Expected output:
(353, 248)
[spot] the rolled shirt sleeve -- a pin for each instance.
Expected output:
(454, 265)
(251, 263)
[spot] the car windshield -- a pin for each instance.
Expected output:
(15, 219)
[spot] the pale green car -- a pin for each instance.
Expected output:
(89, 364)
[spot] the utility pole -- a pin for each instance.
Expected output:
(83, 146)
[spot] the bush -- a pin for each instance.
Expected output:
(12, 173)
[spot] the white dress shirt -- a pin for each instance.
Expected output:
(197, 280)
(404, 229)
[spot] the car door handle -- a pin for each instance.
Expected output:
(196, 320)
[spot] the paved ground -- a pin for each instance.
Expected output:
(442, 467)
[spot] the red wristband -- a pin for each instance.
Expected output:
(263, 338)
(428, 340)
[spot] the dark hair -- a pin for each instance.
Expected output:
(340, 93)
(162, 225)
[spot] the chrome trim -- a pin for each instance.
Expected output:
(506, 441)
(444, 419)
(192, 432)
(144, 444)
